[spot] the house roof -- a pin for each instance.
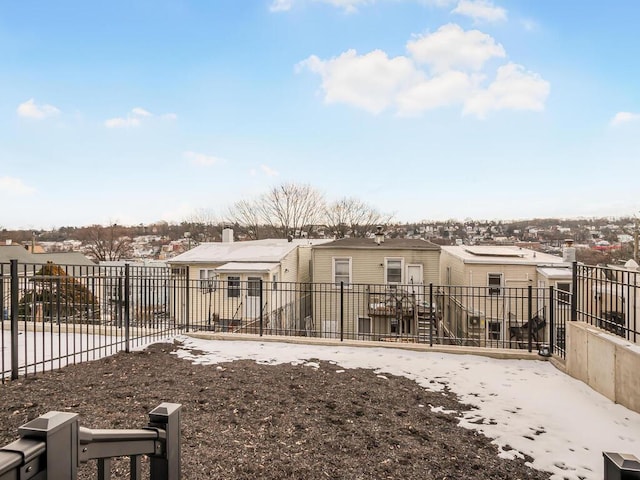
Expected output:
(501, 254)
(267, 250)
(16, 252)
(64, 258)
(556, 272)
(388, 244)
(246, 267)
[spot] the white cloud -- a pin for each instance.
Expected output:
(446, 89)
(624, 117)
(141, 112)
(514, 88)
(29, 109)
(480, 10)
(369, 81)
(201, 159)
(450, 47)
(134, 118)
(281, 5)
(268, 171)
(349, 6)
(14, 186)
(121, 122)
(446, 68)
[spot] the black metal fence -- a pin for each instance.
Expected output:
(609, 298)
(52, 447)
(523, 318)
(55, 315)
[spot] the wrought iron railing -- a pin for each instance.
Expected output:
(609, 298)
(52, 316)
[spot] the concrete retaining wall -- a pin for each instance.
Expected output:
(607, 363)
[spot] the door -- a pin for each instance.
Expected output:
(414, 279)
(252, 309)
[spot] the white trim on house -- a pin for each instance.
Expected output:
(495, 289)
(387, 260)
(342, 260)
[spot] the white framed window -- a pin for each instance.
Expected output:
(233, 287)
(207, 279)
(494, 281)
(393, 268)
(342, 271)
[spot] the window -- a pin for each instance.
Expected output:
(274, 282)
(207, 279)
(494, 280)
(342, 271)
(393, 270)
(253, 286)
(233, 287)
(564, 292)
(494, 330)
(364, 327)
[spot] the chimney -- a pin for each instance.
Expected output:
(379, 235)
(568, 251)
(227, 235)
(8, 241)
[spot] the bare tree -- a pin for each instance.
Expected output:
(292, 209)
(108, 243)
(350, 216)
(288, 209)
(202, 224)
(247, 214)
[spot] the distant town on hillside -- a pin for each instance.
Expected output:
(599, 240)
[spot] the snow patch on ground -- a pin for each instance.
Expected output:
(526, 407)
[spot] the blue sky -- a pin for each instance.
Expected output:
(144, 110)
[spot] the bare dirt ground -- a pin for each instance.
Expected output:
(244, 420)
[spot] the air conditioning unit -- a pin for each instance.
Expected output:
(474, 320)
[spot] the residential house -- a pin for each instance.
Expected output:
(486, 298)
(233, 284)
(148, 295)
(34, 286)
(377, 288)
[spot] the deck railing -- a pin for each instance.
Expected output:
(52, 446)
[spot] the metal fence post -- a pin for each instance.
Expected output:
(59, 430)
(552, 319)
(187, 294)
(14, 319)
(166, 416)
(342, 311)
(261, 310)
(530, 315)
(431, 315)
(574, 292)
(127, 319)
